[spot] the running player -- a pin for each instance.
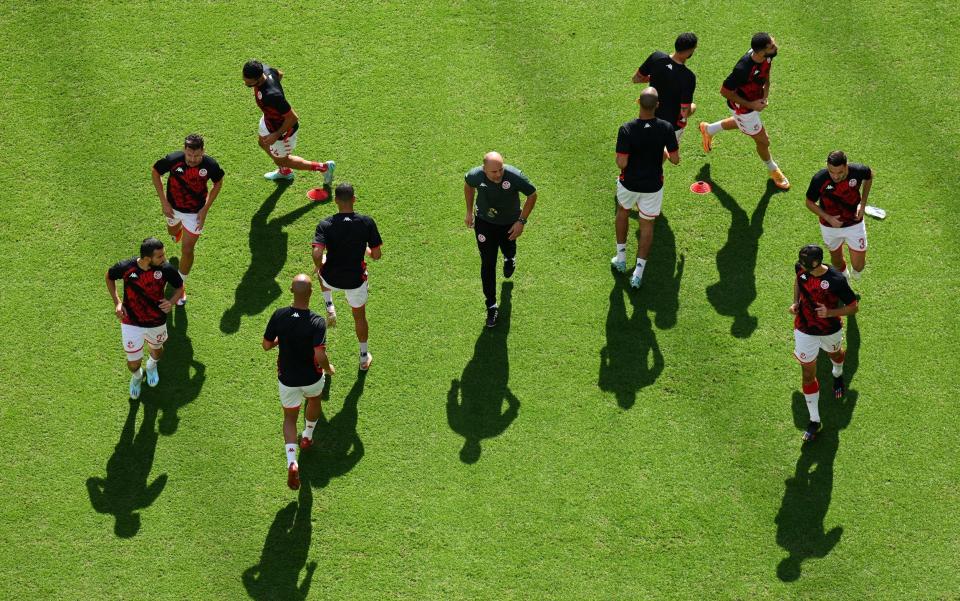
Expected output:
(821, 297)
(278, 128)
(747, 90)
(339, 246)
(187, 200)
(841, 191)
(143, 310)
(301, 364)
(641, 144)
(674, 82)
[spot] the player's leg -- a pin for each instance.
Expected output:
(833, 345)
(133, 342)
(154, 337)
(708, 130)
(312, 412)
(649, 205)
(762, 141)
(357, 298)
(327, 293)
(626, 200)
(290, 400)
(174, 226)
(856, 239)
(837, 260)
(806, 348)
(833, 240)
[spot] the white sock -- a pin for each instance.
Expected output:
(622, 252)
(137, 374)
(856, 274)
(328, 297)
(813, 405)
(291, 454)
(151, 363)
(308, 429)
(837, 369)
(638, 270)
(771, 164)
(846, 272)
(714, 128)
(183, 276)
(363, 348)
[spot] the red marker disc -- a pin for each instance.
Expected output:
(318, 195)
(700, 188)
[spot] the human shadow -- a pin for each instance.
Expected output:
(337, 447)
(475, 402)
(125, 490)
(182, 376)
(806, 498)
(660, 292)
(736, 290)
(258, 287)
(284, 556)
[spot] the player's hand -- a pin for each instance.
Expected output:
(120, 311)
(468, 220)
(860, 209)
(515, 230)
(639, 77)
(822, 311)
(268, 140)
(329, 370)
(167, 210)
(201, 217)
(794, 308)
(833, 221)
(165, 306)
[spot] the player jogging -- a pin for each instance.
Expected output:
(838, 196)
(187, 200)
(339, 246)
(143, 310)
(302, 362)
(278, 127)
(674, 82)
(821, 297)
(747, 90)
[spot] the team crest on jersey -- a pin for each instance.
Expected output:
(481, 238)
(259, 95)
(505, 185)
(129, 344)
(157, 275)
(824, 284)
(853, 183)
(203, 173)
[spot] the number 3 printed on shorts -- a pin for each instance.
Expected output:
(862, 243)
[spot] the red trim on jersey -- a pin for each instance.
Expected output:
(376, 247)
(812, 387)
(318, 245)
(623, 154)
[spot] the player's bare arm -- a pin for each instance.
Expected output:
(211, 196)
(289, 120)
(674, 157)
(732, 96)
(824, 312)
(468, 195)
(167, 304)
(517, 228)
(622, 160)
(117, 303)
(816, 210)
(318, 250)
(864, 193)
(321, 359)
(375, 253)
(158, 184)
(269, 344)
(639, 77)
(796, 299)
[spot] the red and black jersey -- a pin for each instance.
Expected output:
(839, 199)
(747, 80)
(187, 186)
(143, 291)
(271, 100)
(829, 289)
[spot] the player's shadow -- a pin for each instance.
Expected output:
(337, 447)
(125, 490)
(736, 290)
(480, 404)
(806, 499)
(284, 556)
(258, 288)
(182, 376)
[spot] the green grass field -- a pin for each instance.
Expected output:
(631, 445)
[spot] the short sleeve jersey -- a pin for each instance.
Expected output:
(187, 186)
(499, 202)
(839, 199)
(272, 101)
(346, 237)
(747, 80)
(829, 290)
(643, 141)
(143, 291)
(675, 84)
(299, 332)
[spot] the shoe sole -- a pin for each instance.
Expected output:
(293, 478)
(328, 175)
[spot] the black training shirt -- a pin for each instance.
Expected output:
(299, 331)
(643, 140)
(346, 237)
(675, 84)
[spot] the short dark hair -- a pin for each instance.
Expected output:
(150, 246)
(837, 158)
(252, 69)
(685, 41)
(344, 192)
(193, 141)
(811, 255)
(760, 40)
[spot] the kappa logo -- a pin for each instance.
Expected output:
(830, 187)
(133, 276)
(179, 169)
(853, 183)
(203, 173)
(157, 275)
(295, 314)
(505, 185)
(483, 185)
(481, 238)
(824, 284)
(646, 126)
(670, 67)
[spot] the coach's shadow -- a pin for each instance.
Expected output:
(806, 498)
(736, 290)
(258, 288)
(182, 376)
(125, 490)
(475, 402)
(284, 556)
(337, 447)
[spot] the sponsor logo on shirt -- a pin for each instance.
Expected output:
(505, 185)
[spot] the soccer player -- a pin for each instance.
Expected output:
(302, 362)
(841, 191)
(641, 144)
(673, 81)
(747, 90)
(821, 297)
(187, 200)
(497, 219)
(143, 310)
(278, 127)
(339, 246)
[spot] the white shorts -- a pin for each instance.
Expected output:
(282, 147)
(356, 297)
(749, 123)
(189, 221)
(647, 203)
(679, 133)
(135, 336)
(806, 347)
(854, 235)
(292, 397)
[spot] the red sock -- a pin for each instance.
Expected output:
(285, 171)
(812, 387)
(315, 166)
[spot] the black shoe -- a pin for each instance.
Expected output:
(811, 433)
(492, 316)
(509, 266)
(838, 387)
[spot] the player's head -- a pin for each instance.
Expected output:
(301, 287)
(493, 166)
(252, 72)
(152, 249)
(837, 165)
(344, 194)
(686, 43)
(649, 99)
(193, 149)
(763, 44)
(811, 257)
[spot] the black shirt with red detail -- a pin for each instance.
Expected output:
(829, 289)
(643, 141)
(839, 199)
(271, 100)
(747, 80)
(346, 237)
(186, 185)
(143, 291)
(299, 331)
(675, 84)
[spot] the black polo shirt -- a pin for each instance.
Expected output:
(499, 203)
